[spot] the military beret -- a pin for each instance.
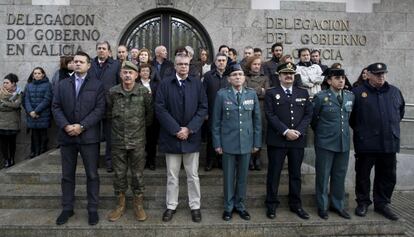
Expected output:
(234, 67)
(377, 68)
(333, 72)
(286, 68)
(129, 65)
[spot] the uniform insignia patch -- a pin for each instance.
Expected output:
(277, 96)
(364, 94)
(248, 102)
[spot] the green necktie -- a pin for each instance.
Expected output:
(339, 97)
(238, 98)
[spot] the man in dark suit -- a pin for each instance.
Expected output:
(289, 112)
(78, 107)
(181, 107)
(106, 69)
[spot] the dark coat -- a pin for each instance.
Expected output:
(284, 113)
(38, 98)
(376, 118)
(87, 109)
(176, 107)
(108, 74)
(213, 82)
(166, 69)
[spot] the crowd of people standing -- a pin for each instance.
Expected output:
(137, 103)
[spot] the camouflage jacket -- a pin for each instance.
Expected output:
(131, 112)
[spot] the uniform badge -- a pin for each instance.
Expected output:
(326, 99)
(364, 94)
(277, 96)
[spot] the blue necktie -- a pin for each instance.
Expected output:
(288, 93)
(78, 85)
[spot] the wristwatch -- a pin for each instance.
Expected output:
(82, 128)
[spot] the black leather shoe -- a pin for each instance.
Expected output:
(208, 167)
(386, 212)
(196, 215)
(361, 210)
(323, 214)
(168, 215)
(227, 215)
(342, 213)
(64, 217)
(244, 215)
(271, 213)
(300, 212)
(93, 218)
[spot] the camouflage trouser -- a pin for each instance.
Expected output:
(134, 159)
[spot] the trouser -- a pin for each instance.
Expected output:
(212, 155)
(39, 140)
(384, 180)
(330, 167)
(90, 155)
(235, 169)
(190, 161)
(276, 157)
(8, 146)
(151, 135)
(106, 127)
(134, 159)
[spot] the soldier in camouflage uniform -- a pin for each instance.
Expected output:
(130, 108)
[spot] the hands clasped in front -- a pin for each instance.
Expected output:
(73, 129)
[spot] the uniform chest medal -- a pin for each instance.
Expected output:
(364, 94)
(228, 102)
(248, 102)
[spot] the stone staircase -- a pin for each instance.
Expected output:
(30, 202)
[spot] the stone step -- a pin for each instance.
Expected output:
(49, 196)
(41, 222)
(39, 171)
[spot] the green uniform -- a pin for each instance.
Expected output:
(131, 112)
(332, 143)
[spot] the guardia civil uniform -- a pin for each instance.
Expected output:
(330, 122)
(236, 128)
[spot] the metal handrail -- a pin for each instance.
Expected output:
(408, 119)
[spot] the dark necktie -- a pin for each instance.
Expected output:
(238, 98)
(182, 84)
(288, 92)
(339, 97)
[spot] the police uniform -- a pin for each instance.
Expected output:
(330, 122)
(284, 111)
(236, 128)
(375, 120)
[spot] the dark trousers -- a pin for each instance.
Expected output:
(212, 155)
(151, 135)
(90, 156)
(276, 157)
(8, 146)
(384, 180)
(106, 127)
(39, 140)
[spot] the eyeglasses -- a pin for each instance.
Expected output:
(183, 64)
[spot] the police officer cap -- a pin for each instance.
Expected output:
(333, 72)
(377, 68)
(234, 68)
(286, 68)
(129, 66)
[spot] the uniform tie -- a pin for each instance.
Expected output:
(339, 97)
(238, 98)
(288, 92)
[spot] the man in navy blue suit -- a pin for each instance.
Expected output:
(288, 112)
(78, 107)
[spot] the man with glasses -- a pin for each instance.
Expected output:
(237, 132)
(375, 120)
(181, 108)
